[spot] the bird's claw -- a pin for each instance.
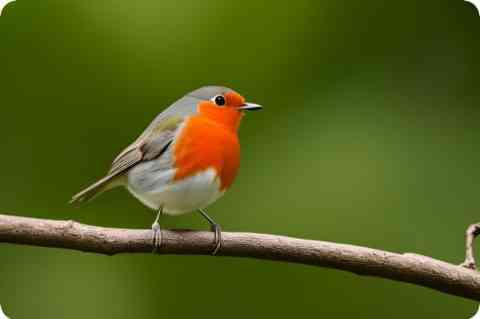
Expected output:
(469, 264)
(157, 237)
(218, 238)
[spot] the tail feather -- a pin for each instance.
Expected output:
(104, 184)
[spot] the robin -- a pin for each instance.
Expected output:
(184, 160)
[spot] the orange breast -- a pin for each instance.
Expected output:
(204, 144)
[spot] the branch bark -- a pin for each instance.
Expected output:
(412, 268)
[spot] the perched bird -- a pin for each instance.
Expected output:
(184, 160)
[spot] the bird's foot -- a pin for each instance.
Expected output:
(472, 232)
(470, 264)
(218, 238)
(215, 228)
(157, 237)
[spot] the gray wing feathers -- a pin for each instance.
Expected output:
(155, 147)
(97, 188)
(125, 160)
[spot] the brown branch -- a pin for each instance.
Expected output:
(412, 268)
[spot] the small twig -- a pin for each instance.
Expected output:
(412, 268)
(472, 232)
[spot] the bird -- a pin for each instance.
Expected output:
(185, 160)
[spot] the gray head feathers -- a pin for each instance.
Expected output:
(207, 92)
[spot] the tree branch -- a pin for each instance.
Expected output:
(411, 268)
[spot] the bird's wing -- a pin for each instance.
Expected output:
(150, 145)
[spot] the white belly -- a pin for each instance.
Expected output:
(187, 195)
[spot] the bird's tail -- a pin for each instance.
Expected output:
(103, 185)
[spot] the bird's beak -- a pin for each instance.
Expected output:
(250, 107)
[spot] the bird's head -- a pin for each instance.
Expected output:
(222, 105)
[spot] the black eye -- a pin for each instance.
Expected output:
(219, 100)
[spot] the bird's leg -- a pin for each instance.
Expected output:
(157, 232)
(472, 232)
(215, 228)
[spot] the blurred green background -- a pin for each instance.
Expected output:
(369, 136)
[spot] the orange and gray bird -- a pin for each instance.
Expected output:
(184, 160)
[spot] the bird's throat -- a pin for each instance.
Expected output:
(229, 117)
